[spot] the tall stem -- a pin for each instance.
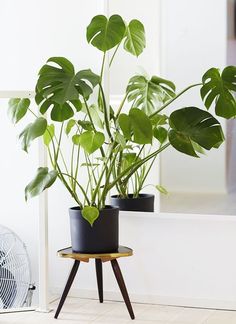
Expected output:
(173, 99)
(112, 58)
(121, 106)
(105, 108)
(103, 65)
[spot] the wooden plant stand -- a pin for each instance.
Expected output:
(99, 259)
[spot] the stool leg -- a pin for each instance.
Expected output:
(122, 286)
(67, 287)
(98, 263)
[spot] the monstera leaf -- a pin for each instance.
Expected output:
(221, 89)
(135, 41)
(49, 134)
(136, 125)
(32, 131)
(90, 141)
(43, 180)
(191, 125)
(59, 87)
(17, 108)
(105, 33)
(149, 94)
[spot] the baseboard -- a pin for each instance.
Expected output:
(154, 299)
(17, 310)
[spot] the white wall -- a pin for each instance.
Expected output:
(31, 32)
(193, 40)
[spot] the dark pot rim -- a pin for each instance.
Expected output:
(107, 207)
(130, 196)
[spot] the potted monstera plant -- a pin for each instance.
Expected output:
(189, 130)
(73, 116)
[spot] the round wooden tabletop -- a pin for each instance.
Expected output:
(122, 251)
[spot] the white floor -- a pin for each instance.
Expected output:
(90, 311)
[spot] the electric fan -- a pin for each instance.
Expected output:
(15, 275)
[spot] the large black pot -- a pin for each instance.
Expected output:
(102, 237)
(144, 202)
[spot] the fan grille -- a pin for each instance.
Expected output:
(15, 274)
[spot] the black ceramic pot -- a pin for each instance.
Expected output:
(144, 202)
(102, 237)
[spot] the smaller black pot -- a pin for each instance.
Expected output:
(144, 202)
(102, 237)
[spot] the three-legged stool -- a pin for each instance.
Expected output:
(99, 259)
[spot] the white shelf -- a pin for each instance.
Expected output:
(200, 203)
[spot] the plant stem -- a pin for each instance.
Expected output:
(79, 185)
(73, 194)
(104, 193)
(121, 106)
(134, 168)
(76, 167)
(112, 58)
(173, 99)
(105, 113)
(103, 64)
(91, 120)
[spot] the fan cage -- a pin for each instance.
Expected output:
(15, 274)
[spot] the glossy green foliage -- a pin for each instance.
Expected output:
(136, 126)
(90, 213)
(17, 108)
(220, 89)
(32, 131)
(192, 124)
(42, 180)
(59, 87)
(149, 94)
(104, 33)
(135, 40)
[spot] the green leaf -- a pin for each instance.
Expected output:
(94, 112)
(135, 41)
(49, 134)
(90, 213)
(119, 138)
(128, 159)
(161, 189)
(76, 139)
(192, 124)
(220, 89)
(198, 148)
(70, 124)
(85, 124)
(91, 141)
(61, 113)
(17, 108)
(59, 87)
(42, 181)
(105, 33)
(158, 120)
(149, 94)
(141, 126)
(160, 133)
(32, 131)
(124, 122)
